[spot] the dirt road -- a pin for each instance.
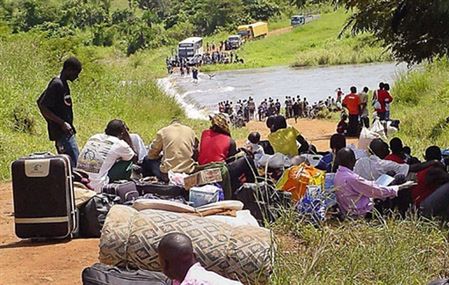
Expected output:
(23, 262)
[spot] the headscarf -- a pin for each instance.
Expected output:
(222, 122)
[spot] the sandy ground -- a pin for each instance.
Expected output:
(23, 262)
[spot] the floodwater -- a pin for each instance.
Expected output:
(317, 83)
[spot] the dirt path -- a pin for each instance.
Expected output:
(23, 262)
(280, 31)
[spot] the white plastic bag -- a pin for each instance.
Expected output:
(366, 137)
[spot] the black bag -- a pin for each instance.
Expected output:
(126, 190)
(101, 274)
(93, 214)
(148, 187)
(43, 196)
(267, 148)
(263, 201)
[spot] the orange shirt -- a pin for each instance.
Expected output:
(352, 102)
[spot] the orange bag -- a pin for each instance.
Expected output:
(297, 178)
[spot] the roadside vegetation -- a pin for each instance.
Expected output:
(390, 251)
(422, 97)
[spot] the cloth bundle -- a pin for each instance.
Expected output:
(131, 237)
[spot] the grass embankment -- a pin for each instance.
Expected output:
(315, 43)
(360, 252)
(110, 86)
(421, 100)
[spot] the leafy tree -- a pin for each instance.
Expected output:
(261, 9)
(415, 30)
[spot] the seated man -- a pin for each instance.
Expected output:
(178, 262)
(327, 162)
(397, 151)
(375, 165)
(428, 179)
(355, 195)
(108, 157)
(174, 148)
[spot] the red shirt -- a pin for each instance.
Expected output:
(352, 102)
(396, 158)
(383, 97)
(214, 147)
(421, 191)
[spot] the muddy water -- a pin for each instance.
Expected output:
(316, 84)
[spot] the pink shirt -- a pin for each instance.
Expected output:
(197, 275)
(355, 194)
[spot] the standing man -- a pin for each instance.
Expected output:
(364, 114)
(55, 104)
(352, 103)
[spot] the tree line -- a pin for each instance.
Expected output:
(143, 24)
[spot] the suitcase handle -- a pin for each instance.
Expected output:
(41, 154)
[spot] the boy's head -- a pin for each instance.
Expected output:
(353, 89)
(254, 137)
(396, 146)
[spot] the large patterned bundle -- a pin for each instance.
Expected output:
(131, 237)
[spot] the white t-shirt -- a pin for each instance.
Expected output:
(197, 275)
(373, 167)
(139, 146)
(98, 156)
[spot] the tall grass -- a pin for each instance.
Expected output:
(421, 100)
(104, 91)
(360, 252)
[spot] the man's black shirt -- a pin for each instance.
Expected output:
(58, 100)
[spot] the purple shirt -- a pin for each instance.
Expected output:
(355, 194)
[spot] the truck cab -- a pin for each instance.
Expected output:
(235, 41)
(297, 20)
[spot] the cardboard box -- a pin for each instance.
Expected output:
(203, 177)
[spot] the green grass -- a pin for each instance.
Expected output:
(359, 252)
(421, 100)
(315, 43)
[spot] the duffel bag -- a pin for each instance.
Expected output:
(126, 190)
(101, 274)
(93, 214)
(145, 186)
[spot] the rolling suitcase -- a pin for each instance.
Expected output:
(44, 204)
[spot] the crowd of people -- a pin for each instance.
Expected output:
(293, 107)
(357, 112)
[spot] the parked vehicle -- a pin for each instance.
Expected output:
(253, 31)
(190, 47)
(235, 41)
(297, 20)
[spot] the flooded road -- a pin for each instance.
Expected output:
(317, 83)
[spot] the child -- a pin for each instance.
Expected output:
(253, 146)
(342, 126)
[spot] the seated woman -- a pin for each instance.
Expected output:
(285, 139)
(216, 143)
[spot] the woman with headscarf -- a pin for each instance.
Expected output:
(216, 143)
